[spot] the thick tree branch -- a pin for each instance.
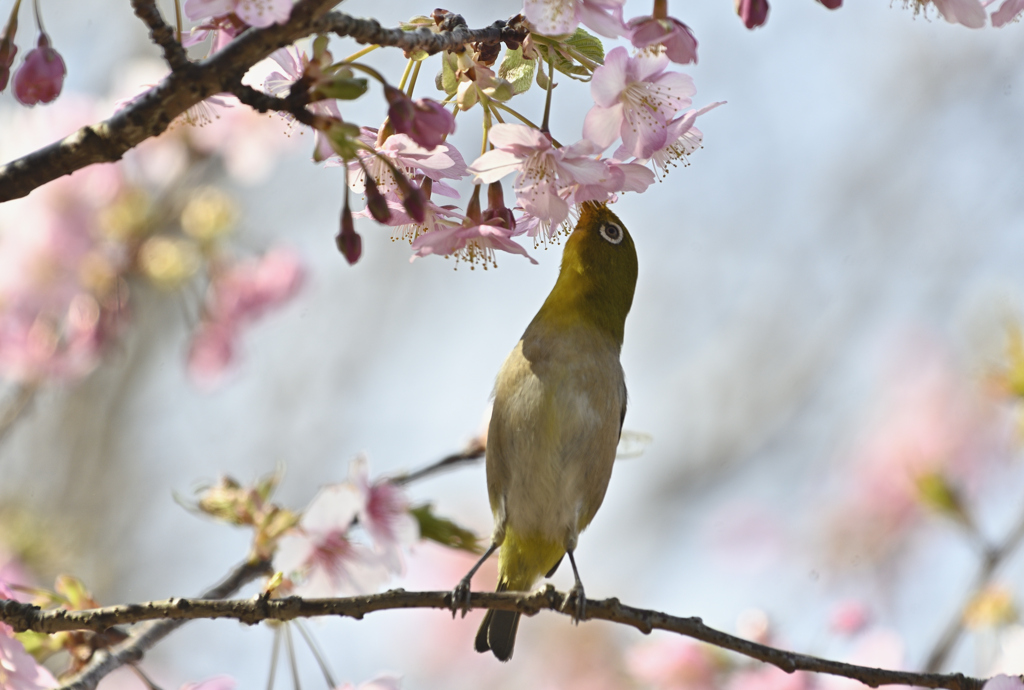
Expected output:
(25, 617)
(143, 639)
(187, 85)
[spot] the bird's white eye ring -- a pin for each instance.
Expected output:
(611, 232)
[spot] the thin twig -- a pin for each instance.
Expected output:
(132, 650)
(474, 452)
(24, 617)
(991, 560)
(161, 33)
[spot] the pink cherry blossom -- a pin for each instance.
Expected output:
(635, 99)
(682, 139)
(239, 295)
(427, 122)
(260, 13)
(18, 670)
(471, 243)
(435, 218)
(677, 38)
(440, 163)
(384, 515)
(674, 663)
(970, 13)
(555, 17)
(295, 62)
(1007, 12)
(41, 75)
(849, 617)
(544, 172)
(319, 556)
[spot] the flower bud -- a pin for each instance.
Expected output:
(41, 76)
(496, 209)
(413, 198)
(426, 122)
(376, 202)
(473, 207)
(754, 13)
(350, 244)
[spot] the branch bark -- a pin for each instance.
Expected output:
(189, 83)
(26, 617)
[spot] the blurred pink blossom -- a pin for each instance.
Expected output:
(1003, 682)
(766, 677)
(319, 556)
(635, 99)
(675, 663)
(384, 515)
(260, 13)
(1007, 12)
(849, 617)
(877, 648)
(676, 37)
(238, 295)
(555, 17)
(970, 13)
(41, 75)
(18, 670)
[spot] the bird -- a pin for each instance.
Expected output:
(559, 404)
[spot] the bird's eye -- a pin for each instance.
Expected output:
(611, 232)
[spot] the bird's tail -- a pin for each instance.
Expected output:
(498, 631)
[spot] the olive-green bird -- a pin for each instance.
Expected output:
(559, 402)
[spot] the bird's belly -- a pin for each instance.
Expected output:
(552, 446)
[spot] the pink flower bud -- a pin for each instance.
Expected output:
(376, 202)
(41, 75)
(754, 13)
(426, 122)
(496, 209)
(413, 198)
(350, 244)
(832, 4)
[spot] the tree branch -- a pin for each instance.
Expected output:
(26, 617)
(190, 83)
(143, 639)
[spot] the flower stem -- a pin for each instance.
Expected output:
(412, 81)
(487, 127)
(660, 9)
(547, 98)
(369, 70)
(405, 75)
(39, 16)
(360, 53)
(522, 118)
(177, 19)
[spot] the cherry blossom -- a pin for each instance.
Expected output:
(18, 670)
(556, 17)
(1003, 682)
(260, 13)
(435, 218)
(41, 75)
(682, 139)
(438, 164)
(635, 99)
(544, 172)
(676, 37)
(1007, 12)
(425, 121)
(239, 295)
(320, 558)
(384, 515)
(970, 13)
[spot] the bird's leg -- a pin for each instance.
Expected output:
(460, 595)
(576, 593)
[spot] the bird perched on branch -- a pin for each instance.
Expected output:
(559, 402)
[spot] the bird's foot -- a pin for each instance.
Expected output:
(576, 603)
(460, 596)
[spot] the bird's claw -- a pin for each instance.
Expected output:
(578, 598)
(460, 597)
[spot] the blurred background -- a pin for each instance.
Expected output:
(823, 305)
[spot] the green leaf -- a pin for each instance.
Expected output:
(341, 88)
(444, 531)
(517, 70)
(588, 44)
(446, 80)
